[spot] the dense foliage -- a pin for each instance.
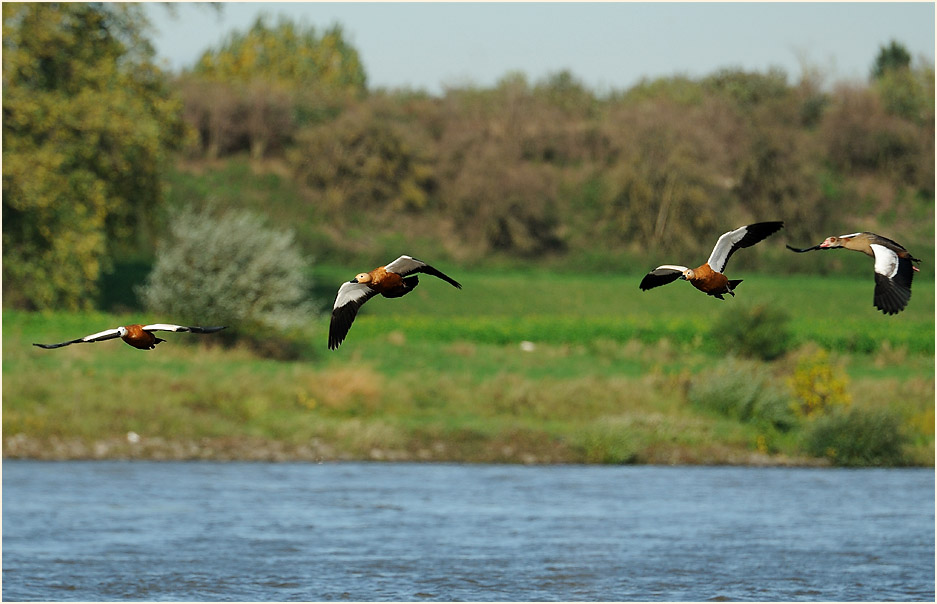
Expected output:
(550, 169)
(257, 86)
(88, 121)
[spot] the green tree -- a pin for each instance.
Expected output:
(87, 123)
(909, 94)
(891, 58)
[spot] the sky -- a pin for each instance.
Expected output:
(607, 46)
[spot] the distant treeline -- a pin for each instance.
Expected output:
(547, 167)
(525, 170)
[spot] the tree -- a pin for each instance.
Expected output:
(277, 77)
(287, 53)
(893, 57)
(87, 123)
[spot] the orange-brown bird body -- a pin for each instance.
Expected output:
(138, 338)
(708, 281)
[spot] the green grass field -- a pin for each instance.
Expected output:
(442, 375)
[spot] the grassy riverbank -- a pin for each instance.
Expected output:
(609, 375)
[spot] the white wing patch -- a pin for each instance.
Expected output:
(886, 261)
(849, 236)
(100, 334)
(404, 265)
(164, 327)
(720, 255)
(671, 267)
(352, 292)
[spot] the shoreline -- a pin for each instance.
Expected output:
(229, 449)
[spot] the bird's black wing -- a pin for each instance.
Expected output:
(108, 334)
(407, 265)
(349, 299)
(662, 275)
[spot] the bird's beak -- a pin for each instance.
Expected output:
(355, 280)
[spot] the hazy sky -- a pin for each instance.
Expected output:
(428, 45)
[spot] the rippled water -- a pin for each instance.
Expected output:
(385, 531)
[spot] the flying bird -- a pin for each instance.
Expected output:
(391, 281)
(708, 278)
(893, 268)
(138, 336)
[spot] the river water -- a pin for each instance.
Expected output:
(386, 531)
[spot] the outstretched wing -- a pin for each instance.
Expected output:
(662, 275)
(349, 299)
(108, 334)
(407, 265)
(745, 236)
(893, 277)
(169, 327)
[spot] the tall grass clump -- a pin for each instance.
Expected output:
(759, 332)
(745, 391)
(231, 269)
(858, 436)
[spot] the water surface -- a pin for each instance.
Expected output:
(388, 531)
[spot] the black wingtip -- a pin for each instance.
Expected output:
(449, 280)
(806, 249)
(207, 329)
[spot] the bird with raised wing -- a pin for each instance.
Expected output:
(893, 269)
(391, 281)
(138, 336)
(708, 278)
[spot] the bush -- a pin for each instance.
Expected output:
(818, 386)
(858, 437)
(758, 331)
(231, 269)
(746, 391)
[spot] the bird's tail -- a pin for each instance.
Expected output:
(733, 283)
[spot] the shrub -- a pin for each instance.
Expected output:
(746, 391)
(858, 437)
(231, 269)
(758, 331)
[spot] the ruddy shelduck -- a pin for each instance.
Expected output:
(138, 336)
(708, 278)
(893, 268)
(391, 281)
